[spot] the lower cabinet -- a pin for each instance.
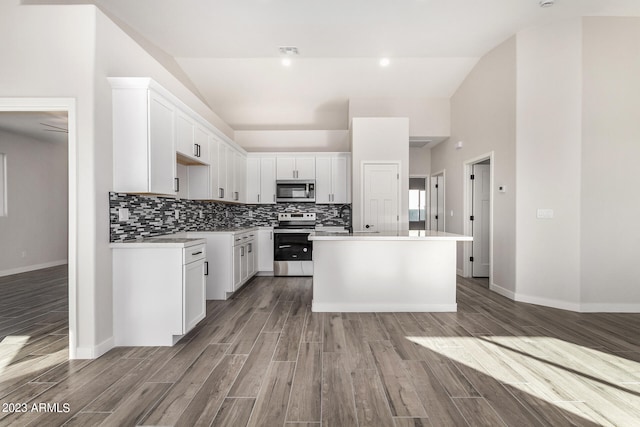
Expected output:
(265, 251)
(158, 292)
(231, 257)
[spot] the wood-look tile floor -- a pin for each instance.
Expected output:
(263, 358)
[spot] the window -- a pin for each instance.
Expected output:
(3, 184)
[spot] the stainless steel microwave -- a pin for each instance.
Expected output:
(295, 191)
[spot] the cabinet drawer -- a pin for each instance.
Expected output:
(194, 253)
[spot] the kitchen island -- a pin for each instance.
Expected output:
(404, 271)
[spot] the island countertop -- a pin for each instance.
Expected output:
(388, 235)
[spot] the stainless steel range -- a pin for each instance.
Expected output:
(292, 250)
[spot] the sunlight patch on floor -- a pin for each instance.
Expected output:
(590, 383)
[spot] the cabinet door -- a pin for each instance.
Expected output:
(238, 255)
(223, 193)
(214, 165)
(231, 173)
(340, 179)
(184, 134)
(251, 258)
(285, 167)
(265, 250)
(324, 190)
(162, 152)
(253, 180)
(201, 140)
(240, 178)
(193, 291)
(267, 180)
(306, 167)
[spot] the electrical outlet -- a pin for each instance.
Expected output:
(544, 213)
(123, 214)
(177, 214)
(201, 215)
(250, 214)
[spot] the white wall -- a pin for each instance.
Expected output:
(293, 140)
(67, 51)
(483, 118)
(610, 154)
(419, 161)
(37, 204)
(381, 139)
(427, 116)
(549, 129)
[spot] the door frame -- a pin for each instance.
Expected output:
(427, 195)
(67, 105)
(468, 207)
(442, 173)
(364, 163)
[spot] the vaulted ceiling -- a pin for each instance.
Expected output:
(229, 48)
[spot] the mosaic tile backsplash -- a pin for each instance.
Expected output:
(153, 216)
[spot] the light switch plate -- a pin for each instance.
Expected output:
(544, 214)
(123, 214)
(177, 214)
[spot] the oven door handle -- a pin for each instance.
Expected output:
(283, 246)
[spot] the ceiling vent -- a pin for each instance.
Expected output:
(288, 50)
(419, 141)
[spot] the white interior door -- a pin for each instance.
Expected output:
(381, 193)
(481, 188)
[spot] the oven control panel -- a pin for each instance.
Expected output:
(297, 216)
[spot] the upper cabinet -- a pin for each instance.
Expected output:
(153, 131)
(144, 153)
(296, 167)
(332, 178)
(261, 179)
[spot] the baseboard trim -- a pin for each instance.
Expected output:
(381, 308)
(459, 272)
(546, 302)
(609, 308)
(96, 351)
(34, 267)
(502, 291)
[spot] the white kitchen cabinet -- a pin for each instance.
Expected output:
(265, 251)
(267, 180)
(230, 259)
(192, 140)
(332, 179)
(296, 167)
(253, 180)
(158, 291)
(240, 178)
(144, 151)
(261, 180)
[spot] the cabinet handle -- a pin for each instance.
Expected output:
(271, 235)
(241, 250)
(206, 268)
(258, 198)
(177, 184)
(197, 253)
(221, 193)
(250, 247)
(198, 149)
(274, 198)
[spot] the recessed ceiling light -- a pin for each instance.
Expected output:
(384, 62)
(546, 3)
(286, 62)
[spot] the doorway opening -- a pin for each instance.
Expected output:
(54, 107)
(478, 214)
(418, 203)
(437, 216)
